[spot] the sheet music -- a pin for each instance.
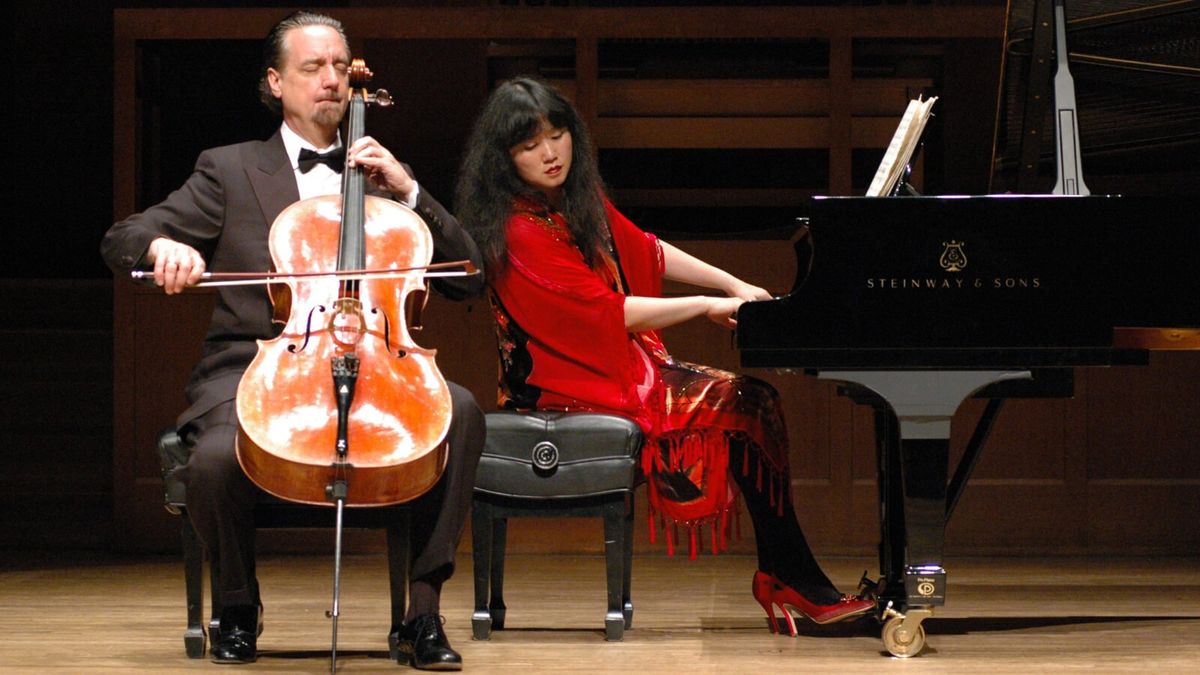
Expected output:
(900, 150)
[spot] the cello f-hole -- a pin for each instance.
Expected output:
(307, 330)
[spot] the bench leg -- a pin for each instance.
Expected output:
(481, 543)
(614, 559)
(214, 576)
(193, 572)
(626, 593)
(499, 547)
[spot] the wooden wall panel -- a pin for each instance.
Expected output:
(160, 344)
(1143, 432)
(1113, 470)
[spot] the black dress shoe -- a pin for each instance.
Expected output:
(236, 641)
(423, 645)
(235, 646)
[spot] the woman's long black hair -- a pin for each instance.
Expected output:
(488, 181)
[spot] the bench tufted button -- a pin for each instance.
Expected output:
(545, 456)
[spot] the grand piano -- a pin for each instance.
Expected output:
(914, 304)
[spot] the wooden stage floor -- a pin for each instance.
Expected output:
(73, 613)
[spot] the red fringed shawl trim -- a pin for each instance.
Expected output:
(705, 452)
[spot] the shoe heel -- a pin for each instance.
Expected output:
(790, 601)
(770, 610)
(761, 587)
(791, 623)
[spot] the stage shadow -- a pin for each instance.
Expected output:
(868, 626)
(849, 628)
(964, 625)
(310, 654)
(572, 635)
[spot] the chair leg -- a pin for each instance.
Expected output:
(193, 572)
(214, 576)
(626, 593)
(399, 565)
(481, 543)
(614, 558)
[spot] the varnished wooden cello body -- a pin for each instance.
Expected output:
(343, 396)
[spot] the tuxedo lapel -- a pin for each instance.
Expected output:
(272, 178)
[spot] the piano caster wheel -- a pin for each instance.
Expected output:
(900, 641)
(903, 634)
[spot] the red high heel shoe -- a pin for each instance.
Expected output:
(763, 588)
(787, 598)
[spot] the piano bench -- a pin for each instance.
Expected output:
(554, 464)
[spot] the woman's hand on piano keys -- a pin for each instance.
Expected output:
(747, 292)
(723, 311)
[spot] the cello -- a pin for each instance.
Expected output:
(343, 408)
(296, 428)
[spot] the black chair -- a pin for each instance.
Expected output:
(545, 464)
(274, 513)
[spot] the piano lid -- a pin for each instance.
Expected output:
(1136, 67)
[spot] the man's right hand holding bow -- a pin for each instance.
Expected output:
(176, 265)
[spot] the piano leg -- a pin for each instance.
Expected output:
(913, 410)
(891, 504)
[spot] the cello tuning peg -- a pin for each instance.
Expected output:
(382, 98)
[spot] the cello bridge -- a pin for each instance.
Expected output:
(346, 324)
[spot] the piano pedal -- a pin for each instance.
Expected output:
(868, 588)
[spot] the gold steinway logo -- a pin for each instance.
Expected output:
(953, 258)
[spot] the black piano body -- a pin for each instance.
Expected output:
(914, 304)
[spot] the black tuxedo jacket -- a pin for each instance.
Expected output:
(225, 211)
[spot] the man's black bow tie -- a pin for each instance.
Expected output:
(336, 159)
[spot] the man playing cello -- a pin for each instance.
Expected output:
(218, 221)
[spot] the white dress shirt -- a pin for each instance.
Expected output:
(321, 179)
